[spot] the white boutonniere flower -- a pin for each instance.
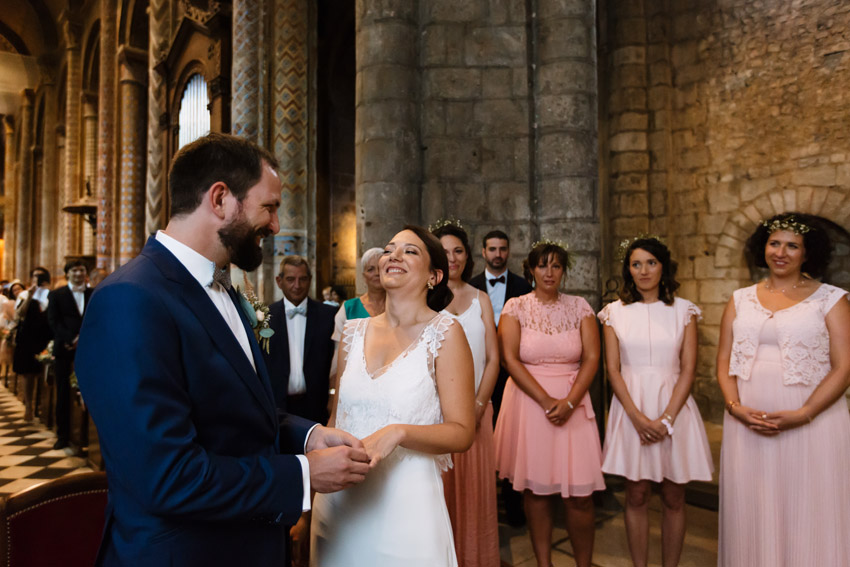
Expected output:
(258, 316)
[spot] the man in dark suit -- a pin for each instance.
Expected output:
(501, 285)
(302, 334)
(201, 470)
(65, 308)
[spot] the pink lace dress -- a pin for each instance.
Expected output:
(530, 451)
(784, 499)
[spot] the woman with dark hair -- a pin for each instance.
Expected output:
(547, 442)
(470, 485)
(655, 432)
(783, 364)
(405, 389)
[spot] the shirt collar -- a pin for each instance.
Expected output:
(198, 265)
(491, 276)
(289, 305)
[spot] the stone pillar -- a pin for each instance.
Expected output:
(61, 244)
(11, 192)
(565, 137)
(106, 135)
(73, 97)
(48, 194)
(290, 130)
(245, 80)
(157, 168)
(388, 167)
(131, 218)
(90, 179)
(24, 204)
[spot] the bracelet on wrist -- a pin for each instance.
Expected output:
(570, 405)
(730, 405)
(668, 417)
(667, 424)
(479, 403)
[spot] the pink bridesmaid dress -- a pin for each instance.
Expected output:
(530, 451)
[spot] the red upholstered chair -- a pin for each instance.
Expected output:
(59, 522)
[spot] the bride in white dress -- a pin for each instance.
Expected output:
(406, 388)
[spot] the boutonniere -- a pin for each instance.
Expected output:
(258, 316)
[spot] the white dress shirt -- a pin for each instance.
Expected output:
(496, 292)
(79, 296)
(201, 268)
(295, 328)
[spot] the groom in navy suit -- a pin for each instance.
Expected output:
(202, 471)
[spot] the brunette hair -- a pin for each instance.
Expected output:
(500, 234)
(441, 295)
(235, 161)
(460, 234)
(816, 241)
(541, 253)
(668, 284)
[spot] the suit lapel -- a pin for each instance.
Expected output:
(202, 307)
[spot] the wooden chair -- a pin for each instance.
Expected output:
(59, 522)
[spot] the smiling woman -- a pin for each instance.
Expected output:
(406, 388)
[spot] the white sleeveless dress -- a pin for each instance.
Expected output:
(397, 516)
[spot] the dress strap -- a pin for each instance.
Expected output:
(353, 328)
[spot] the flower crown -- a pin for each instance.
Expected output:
(445, 222)
(791, 224)
(627, 243)
(558, 243)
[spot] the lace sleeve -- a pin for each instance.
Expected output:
(435, 334)
(584, 309)
(349, 330)
(691, 312)
(831, 298)
(604, 316)
(513, 308)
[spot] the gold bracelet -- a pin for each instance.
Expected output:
(730, 405)
(668, 416)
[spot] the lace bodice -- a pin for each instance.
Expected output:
(403, 391)
(550, 333)
(801, 331)
(650, 334)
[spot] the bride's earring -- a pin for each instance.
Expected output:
(430, 285)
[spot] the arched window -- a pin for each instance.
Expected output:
(194, 111)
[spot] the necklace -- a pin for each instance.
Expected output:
(800, 283)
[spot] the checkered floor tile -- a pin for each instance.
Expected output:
(27, 456)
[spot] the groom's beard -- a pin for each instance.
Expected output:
(240, 240)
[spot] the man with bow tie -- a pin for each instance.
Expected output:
(301, 349)
(65, 308)
(501, 285)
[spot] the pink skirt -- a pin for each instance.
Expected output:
(541, 457)
(470, 490)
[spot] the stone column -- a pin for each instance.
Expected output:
(157, 168)
(9, 233)
(48, 196)
(24, 204)
(131, 218)
(106, 135)
(61, 244)
(90, 179)
(565, 138)
(245, 80)
(73, 94)
(387, 172)
(290, 131)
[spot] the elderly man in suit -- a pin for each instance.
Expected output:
(65, 308)
(202, 471)
(501, 285)
(301, 349)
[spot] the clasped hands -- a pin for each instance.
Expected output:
(338, 459)
(769, 423)
(557, 411)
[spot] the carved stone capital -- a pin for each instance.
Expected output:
(132, 65)
(72, 31)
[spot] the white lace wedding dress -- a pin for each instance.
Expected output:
(397, 516)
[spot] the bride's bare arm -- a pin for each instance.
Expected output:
(456, 388)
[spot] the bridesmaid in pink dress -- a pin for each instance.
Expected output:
(470, 485)
(547, 442)
(651, 353)
(783, 364)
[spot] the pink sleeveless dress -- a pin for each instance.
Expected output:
(530, 451)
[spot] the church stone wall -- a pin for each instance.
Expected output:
(719, 114)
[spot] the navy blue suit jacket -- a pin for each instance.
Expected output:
(318, 355)
(200, 470)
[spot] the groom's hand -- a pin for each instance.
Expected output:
(337, 459)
